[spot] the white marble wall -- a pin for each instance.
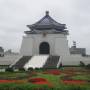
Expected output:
(58, 44)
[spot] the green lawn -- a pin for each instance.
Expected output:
(13, 75)
(81, 77)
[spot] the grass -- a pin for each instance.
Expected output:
(29, 86)
(26, 86)
(81, 77)
(55, 80)
(13, 75)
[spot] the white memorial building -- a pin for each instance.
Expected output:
(45, 45)
(45, 37)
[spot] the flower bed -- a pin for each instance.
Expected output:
(37, 80)
(12, 81)
(74, 82)
(54, 72)
(40, 81)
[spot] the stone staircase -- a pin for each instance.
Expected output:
(52, 62)
(21, 62)
(37, 61)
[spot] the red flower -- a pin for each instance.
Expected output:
(40, 81)
(37, 80)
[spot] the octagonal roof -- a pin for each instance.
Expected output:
(47, 22)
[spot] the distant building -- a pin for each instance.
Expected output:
(9, 52)
(75, 50)
(1, 52)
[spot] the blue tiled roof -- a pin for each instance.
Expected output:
(47, 22)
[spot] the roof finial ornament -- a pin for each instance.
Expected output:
(47, 13)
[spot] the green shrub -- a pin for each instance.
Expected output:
(82, 64)
(21, 69)
(30, 69)
(9, 69)
(88, 66)
(37, 68)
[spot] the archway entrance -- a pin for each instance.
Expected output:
(44, 48)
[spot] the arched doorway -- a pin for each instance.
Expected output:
(44, 48)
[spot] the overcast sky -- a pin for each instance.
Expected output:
(16, 14)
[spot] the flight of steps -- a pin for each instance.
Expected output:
(52, 62)
(21, 62)
(36, 61)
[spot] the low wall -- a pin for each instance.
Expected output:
(9, 59)
(75, 60)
